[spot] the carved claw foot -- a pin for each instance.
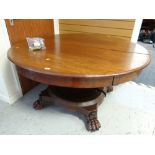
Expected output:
(38, 105)
(92, 123)
(43, 98)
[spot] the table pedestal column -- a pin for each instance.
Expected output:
(83, 100)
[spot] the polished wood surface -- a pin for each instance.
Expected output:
(121, 28)
(23, 28)
(80, 56)
(113, 23)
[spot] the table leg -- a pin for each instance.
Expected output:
(44, 98)
(92, 123)
(109, 89)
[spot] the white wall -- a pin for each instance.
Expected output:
(3, 91)
(10, 89)
(136, 29)
(56, 26)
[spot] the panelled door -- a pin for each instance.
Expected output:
(19, 29)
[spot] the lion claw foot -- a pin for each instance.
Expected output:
(93, 124)
(38, 105)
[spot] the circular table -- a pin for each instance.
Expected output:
(79, 69)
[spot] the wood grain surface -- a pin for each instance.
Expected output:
(81, 58)
(23, 28)
(120, 28)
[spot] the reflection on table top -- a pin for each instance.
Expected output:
(81, 55)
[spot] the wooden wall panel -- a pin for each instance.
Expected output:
(120, 28)
(70, 32)
(23, 28)
(100, 23)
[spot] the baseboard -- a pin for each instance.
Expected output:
(15, 97)
(4, 98)
(10, 99)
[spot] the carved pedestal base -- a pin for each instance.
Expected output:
(84, 100)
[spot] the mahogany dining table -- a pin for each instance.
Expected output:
(79, 69)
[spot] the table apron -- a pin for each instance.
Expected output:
(125, 77)
(74, 82)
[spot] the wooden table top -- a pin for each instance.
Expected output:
(80, 60)
(79, 55)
